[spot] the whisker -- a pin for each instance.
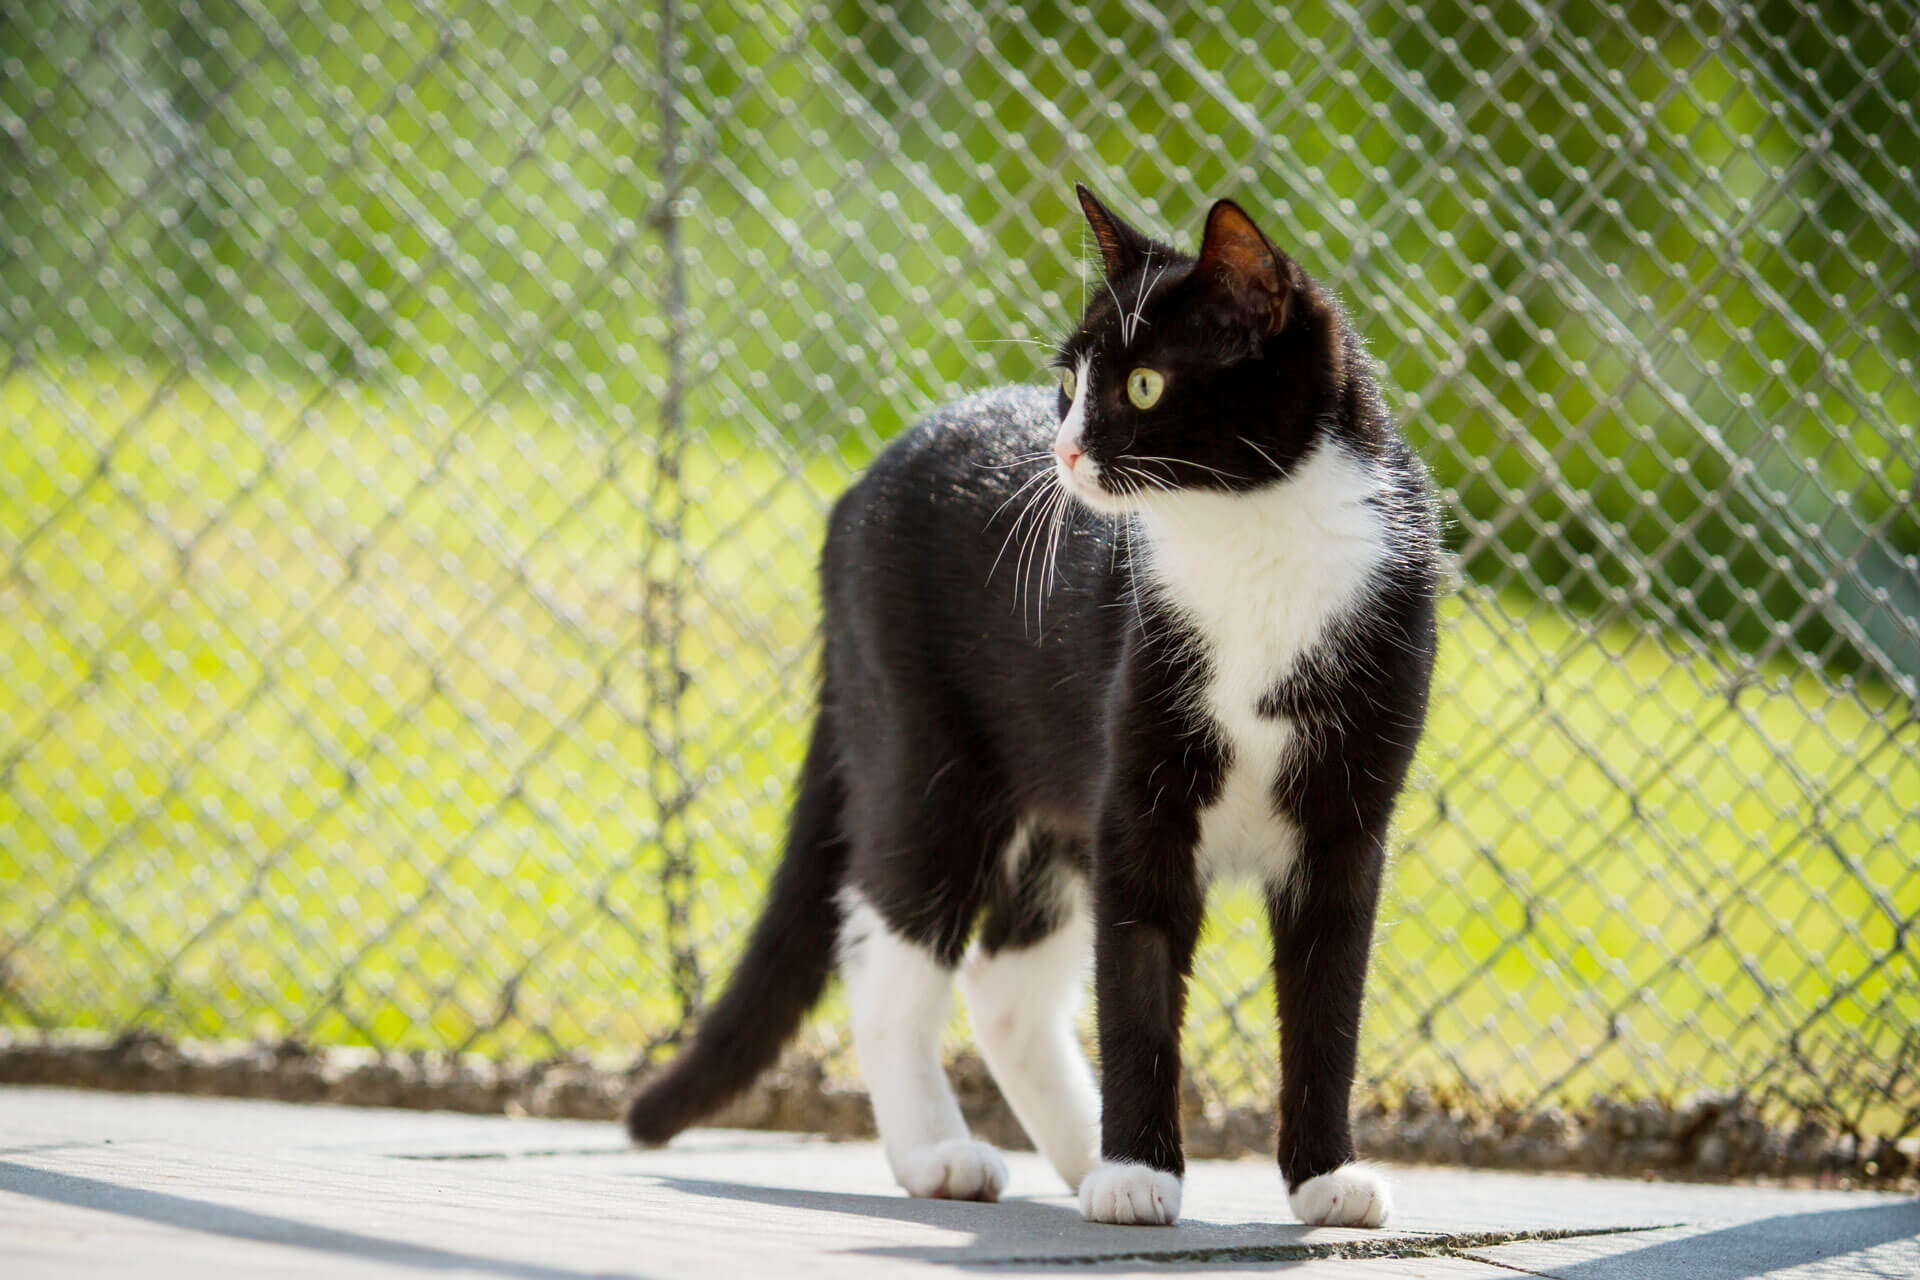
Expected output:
(1020, 461)
(1147, 477)
(1128, 324)
(1023, 575)
(1030, 545)
(1168, 483)
(1030, 481)
(1188, 462)
(1140, 298)
(1017, 520)
(1133, 579)
(1263, 453)
(1062, 526)
(1050, 573)
(1031, 342)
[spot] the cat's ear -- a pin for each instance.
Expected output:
(1121, 247)
(1238, 260)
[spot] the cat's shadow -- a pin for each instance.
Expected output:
(1038, 1233)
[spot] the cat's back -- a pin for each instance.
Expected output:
(940, 491)
(957, 567)
(966, 452)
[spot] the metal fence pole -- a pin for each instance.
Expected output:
(669, 555)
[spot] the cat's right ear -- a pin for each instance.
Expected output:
(1121, 247)
(1245, 266)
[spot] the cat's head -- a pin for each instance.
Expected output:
(1217, 371)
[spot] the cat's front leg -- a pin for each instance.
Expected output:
(1322, 929)
(1148, 907)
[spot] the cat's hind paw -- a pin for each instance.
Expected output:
(961, 1169)
(1130, 1195)
(1354, 1195)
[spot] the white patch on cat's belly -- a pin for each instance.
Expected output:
(1242, 836)
(1261, 577)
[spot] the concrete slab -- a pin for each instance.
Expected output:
(1880, 1241)
(110, 1183)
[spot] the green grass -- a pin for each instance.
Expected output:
(312, 726)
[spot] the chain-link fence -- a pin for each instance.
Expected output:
(419, 417)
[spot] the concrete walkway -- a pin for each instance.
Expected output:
(98, 1184)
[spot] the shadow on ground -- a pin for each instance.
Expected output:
(1053, 1236)
(209, 1218)
(1767, 1245)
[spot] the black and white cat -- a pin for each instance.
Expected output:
(1207, 656)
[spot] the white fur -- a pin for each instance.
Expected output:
(961, 1169)
(1084, 480)
(1263, 577)
(1073, 428)
(1354, 1195)
(898, 994)
(1131, 1195)
(1023, 1001)
(1072, 436)
(1017, 849)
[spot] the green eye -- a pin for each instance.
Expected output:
(1144, 387)
(1068, 383)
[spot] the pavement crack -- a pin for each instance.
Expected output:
(1451, 1245)
(545, 1153)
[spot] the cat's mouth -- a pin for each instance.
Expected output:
(1088, 483)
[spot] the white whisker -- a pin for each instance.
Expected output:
(1187, 462)
(1025, 485)
(1030, 342)
(1020, 461)
(1132, 324)
(1030, 546)
(1017, 520)
(1128, 323)
(1264, 454)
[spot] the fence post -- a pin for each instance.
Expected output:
(666, 555)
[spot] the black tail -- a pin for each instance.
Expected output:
(786, 966)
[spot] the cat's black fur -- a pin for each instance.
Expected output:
(969, 688)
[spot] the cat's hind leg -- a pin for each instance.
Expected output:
(899, 991)
(1025, 979)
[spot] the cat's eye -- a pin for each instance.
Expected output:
(1068, 383)
(1144, 387)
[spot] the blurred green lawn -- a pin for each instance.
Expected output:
(309, 725)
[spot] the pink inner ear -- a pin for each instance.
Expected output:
(1239, 257)
(1235, 249)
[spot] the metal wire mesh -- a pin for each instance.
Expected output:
(419, 419)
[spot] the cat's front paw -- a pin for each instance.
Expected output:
(961, 1169)
(1131, 1195)
(1354, 1195)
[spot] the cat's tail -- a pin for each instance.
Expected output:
(783, 972)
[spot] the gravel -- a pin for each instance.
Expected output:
(1708, 1136)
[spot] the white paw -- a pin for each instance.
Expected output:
(1131, 1195)
(1354, 1195)
(960, 1169)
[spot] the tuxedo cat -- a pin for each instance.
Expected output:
(1088, 649)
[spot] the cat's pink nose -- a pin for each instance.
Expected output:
(1068, 455)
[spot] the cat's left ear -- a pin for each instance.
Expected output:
(1239, 261)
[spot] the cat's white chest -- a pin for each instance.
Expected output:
(1261, 578)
